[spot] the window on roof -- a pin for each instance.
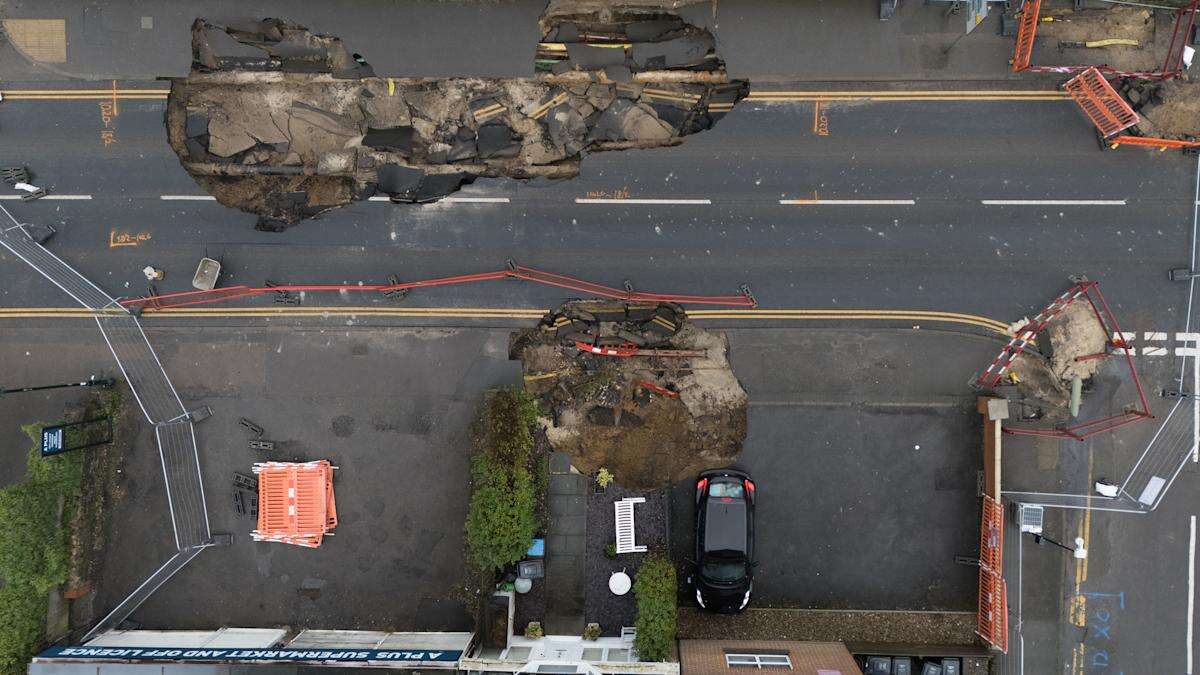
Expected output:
(758, 660)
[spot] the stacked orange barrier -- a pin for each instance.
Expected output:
(295, 502)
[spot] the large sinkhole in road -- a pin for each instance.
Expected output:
(285, 123)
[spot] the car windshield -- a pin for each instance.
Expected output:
(722, 570)
(722, 489)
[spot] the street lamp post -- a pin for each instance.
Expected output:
(1079, 551)
(92, 381)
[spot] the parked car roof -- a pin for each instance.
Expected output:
(725, 525)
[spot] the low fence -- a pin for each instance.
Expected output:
(155, 395)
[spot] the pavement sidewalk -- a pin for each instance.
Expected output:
(763, 40)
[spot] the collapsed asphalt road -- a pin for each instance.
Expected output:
(286, 124)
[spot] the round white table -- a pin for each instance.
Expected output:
(619, 583)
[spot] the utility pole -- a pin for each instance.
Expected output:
(92, 381)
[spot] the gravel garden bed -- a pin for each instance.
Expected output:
(651, 521)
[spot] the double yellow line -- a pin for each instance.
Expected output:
(84, 94)
(748, 315)
(899, 96)
(665, 95)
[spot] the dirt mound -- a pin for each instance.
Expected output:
(1044, 377)
(649, 417)
(1075, 333)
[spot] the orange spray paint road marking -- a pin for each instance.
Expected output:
(118, 239)
(820, 120)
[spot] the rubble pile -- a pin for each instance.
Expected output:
(621, 39)
(1168, 109)
(648, 417)
(283, 123)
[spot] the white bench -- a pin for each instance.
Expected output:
(625, 529)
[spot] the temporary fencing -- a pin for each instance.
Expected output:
(155, 395)
(1024, 336)
(993, 590)
(1101, 103)
(511, 271)
(1030, 16)
(295, 502)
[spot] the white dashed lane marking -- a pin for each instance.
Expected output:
(1052, 202)
(580, 200)
(848, 202)
(454, 200)
(52, 197)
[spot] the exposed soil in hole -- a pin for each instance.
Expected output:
(1045, 377)
(650, 420)
(1070, 31)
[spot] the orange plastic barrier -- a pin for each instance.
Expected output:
(1026, 32)
(1150, 142)
(295, 502)
(993, 592)
(1100, 102)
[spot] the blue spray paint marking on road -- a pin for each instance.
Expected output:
(1099, 641)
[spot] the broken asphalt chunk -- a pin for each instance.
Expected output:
(395, 139)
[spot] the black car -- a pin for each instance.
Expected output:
(724, 563)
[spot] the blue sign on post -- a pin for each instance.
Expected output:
(84, 434)
(52, 441)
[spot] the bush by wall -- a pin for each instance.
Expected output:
(34, 548)
(655, 589)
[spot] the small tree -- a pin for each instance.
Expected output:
(655, 590)
(508, 418)
(500, 520)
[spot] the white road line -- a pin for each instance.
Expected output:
(1195, 406)
(1052, 202)
(188, 198)
(1150, 335)
(1154, 351)
(58, 197)
(848, 202)
(1188, 337)
(454, 200)
(1191, 604)
(580, 200)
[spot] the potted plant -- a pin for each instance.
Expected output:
(534, 630)
(591, 631)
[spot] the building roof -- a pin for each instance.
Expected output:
(707, 657)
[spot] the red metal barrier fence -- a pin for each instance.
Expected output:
(512, 271)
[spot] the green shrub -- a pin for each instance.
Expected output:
(508, 418)
(22, 623)
(34, 548)
(500, 520)
(655, 590)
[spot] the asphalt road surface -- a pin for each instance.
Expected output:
(901, 205)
